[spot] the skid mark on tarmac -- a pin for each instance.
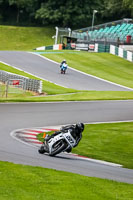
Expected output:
(29, 137)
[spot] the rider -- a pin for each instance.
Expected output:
(64, 61)
(75, 130)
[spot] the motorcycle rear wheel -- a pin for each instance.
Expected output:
(41, 150)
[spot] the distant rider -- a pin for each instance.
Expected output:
(75, 130)
(63, 66)
(64, 61)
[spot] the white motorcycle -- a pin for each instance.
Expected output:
(57, 144)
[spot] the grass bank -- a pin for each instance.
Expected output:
(102, 65)
(25, 38)
(26, 182)
(111, 142)
(78, 96)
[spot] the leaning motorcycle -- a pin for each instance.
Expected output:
(59, 143)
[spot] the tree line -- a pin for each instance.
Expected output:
(63, 13)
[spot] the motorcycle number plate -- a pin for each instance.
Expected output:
(69, 138)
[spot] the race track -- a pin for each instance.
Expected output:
(26, 115)
(48, 70)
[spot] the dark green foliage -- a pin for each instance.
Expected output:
(121, 9)
(67, 13)
(76, 13)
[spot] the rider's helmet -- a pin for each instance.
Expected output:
(64, 61)
(80, 127)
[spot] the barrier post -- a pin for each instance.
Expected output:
(7, 83)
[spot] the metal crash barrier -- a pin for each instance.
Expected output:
(18, 81)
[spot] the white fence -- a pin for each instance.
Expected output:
(128, 55)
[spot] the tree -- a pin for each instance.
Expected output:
(114, 9)
(67, 13)
(28, 5)
(128, 4)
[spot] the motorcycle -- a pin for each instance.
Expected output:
(63, 68)
(57, 144)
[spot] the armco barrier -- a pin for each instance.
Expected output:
(25, 83)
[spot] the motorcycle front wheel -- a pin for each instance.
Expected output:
(58, 147)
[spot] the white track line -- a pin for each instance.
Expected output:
(64, 102)
(96, 161)
(110, 122)
(29, 132)
(26, 136)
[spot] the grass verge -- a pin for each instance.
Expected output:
(79, 96)
(25, 38)
(111, 142)
(26, 182)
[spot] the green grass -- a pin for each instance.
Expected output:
(36, 183)
(81, 96)
(103, 65)
(111, 142)
(25, 38)
(13, 92)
